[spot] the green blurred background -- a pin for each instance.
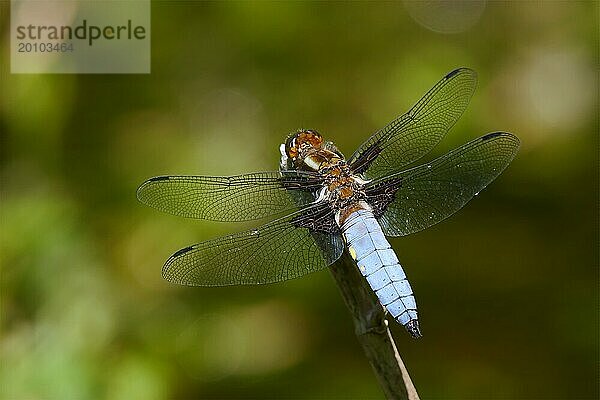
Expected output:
(507, 288)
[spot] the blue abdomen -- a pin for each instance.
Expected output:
(379, 264)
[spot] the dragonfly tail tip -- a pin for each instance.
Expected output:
(413, 328)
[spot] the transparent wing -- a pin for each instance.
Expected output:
(412, 135)
(423, 196)
(229, 198)
(284, 249)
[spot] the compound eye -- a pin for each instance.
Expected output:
(313, 138)
(309, 138)
(315, 134)
(290, 148)
(292, 153)
(317, 139)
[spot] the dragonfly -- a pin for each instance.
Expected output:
(320, 203)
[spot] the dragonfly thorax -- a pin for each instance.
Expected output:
(344, 190)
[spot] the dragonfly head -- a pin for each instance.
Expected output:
(306, 149)
(300, 143)
(301, 146)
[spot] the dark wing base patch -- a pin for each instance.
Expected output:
(317, 219)
(382, 194)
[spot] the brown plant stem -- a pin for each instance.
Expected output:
(372, 330)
